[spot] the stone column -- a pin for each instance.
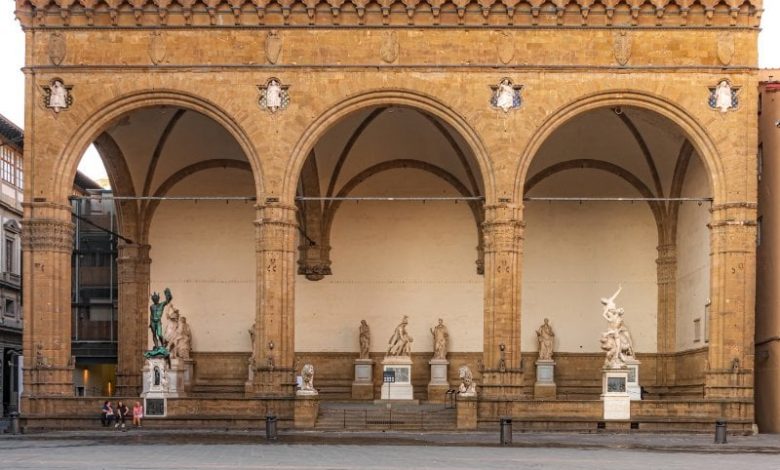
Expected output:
(47, 243)
(729, 373)
(502, 376)
(274, 326)
(133, 281)
(666, 268)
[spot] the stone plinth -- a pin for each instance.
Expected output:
(438, 386)
(632, 386)
(544, 387)
(159, 380)
(402, 388)
(181, 376)
(467, 412)
(307, 408)
(617, 403)
(363, 386)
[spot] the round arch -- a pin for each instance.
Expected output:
(398, 97)
(691, 128)
(95, 124)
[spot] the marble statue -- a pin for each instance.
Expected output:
(155, 324)
(440, 338)
(617, 340)
(308, 378)
(505, 95)
(172, 314)
(182, 347)
(467, 386)
(723, 96)
(546, 337)
(59, 96)
(400, 343)
(365, 339)
(273, 95)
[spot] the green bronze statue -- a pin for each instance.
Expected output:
(155, 324)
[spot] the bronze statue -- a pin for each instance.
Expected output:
(155, 324)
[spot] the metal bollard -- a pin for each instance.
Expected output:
(720, 431)
(270, 427)
(15, 428)
(506, 431)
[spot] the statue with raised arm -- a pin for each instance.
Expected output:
(617, 340)
(155, 324)
(400, 343)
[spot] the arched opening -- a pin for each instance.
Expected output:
(184, 193)
(390, 211)
(619, 196)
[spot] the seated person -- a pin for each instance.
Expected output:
(106, 414)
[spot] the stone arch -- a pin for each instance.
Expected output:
(399, 97)
(108, 113)
(691, 128)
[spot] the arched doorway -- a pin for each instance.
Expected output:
(618, 195)
(390, 212)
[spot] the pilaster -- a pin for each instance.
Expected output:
(501, 367)
(47, 244)
(666, 265)
(732, 313)
(133, 266)
(274, 351)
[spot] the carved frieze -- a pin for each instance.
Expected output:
(47, 235)
(44, 13)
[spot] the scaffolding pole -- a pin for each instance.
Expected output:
(393, 198)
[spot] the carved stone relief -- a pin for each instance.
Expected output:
(724, 97)
(57, 48)
(273, 95)
(726, 48)
(57, 96)
(157, 47)
(622, 47)
(506, 95)
(273, 46)
(390, 47)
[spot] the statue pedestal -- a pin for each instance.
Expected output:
(307, 408)
(466, 412)
(402, 388)
(632, 386)
(180, 376)
(159, 384)
(617, 402)
(438, 386)
(545, 388)
(363, 386)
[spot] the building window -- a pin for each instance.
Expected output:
(11, 167)
(9, 254)
(10, 308)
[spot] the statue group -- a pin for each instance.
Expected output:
(616, 341)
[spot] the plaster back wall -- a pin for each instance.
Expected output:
(392, 259)
(574, 254)
(205, 253)
(693, 258)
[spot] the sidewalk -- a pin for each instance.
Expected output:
(688, 443)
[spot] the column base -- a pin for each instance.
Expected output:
(271, 383)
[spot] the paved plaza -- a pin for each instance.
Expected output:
(234, 450)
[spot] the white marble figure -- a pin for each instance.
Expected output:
(400, 343)
(273, 95)
(546, 338)
(505, 95)
(172, 315)
(440, 339)
(365, 339)
(58, 100)
(467, 386)
(723, 96)
(308, 378)
(616, 341)
(183, 344)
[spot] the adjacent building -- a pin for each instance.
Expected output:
(768, 293)
(11, 188)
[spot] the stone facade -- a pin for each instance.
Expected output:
(439, 59)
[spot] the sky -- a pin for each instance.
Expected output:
(12, 60)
